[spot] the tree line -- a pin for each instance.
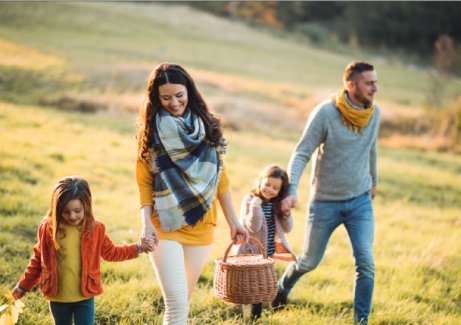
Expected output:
(426, 32)
(410, 27)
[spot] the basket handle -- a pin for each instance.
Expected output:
(257, 242)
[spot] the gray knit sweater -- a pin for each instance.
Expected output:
(343, 161)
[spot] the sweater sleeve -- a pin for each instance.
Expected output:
(144, 179)
(374, 153)
(287, 223)
(31, 276)
(313, 135)
(224, 182)
(115, 253)
(373, 167)
(251, 215)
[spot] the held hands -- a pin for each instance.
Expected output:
(289, 202)
(285, 213)
(147, 244)
(148, 239)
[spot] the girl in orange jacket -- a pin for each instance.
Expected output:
(66, 258)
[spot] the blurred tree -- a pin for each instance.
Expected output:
(291, 13)
(252, 12)
(412, 26)
(444, 58)
(258, 12)
(446, 120)
(218, 8)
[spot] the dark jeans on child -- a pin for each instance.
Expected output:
(256, 310)
(82, 312)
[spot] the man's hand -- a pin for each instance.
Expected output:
(289, 202)
(373, 191)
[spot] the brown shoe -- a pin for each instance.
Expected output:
(280, 301)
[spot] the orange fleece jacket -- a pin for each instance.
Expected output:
(95, 244)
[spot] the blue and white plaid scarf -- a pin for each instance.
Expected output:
(186, 170)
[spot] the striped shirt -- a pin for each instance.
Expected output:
(270, 221)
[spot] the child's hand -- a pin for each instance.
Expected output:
(285, 212)
(256, 201)
(289, 202)
(147, 244)
(18, 293)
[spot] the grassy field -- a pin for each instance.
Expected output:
(72, 76)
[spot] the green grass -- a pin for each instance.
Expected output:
(126, 40)
(98, 56)
(418, 256)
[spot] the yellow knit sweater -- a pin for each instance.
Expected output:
(202, 232)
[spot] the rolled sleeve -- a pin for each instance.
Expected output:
(224, 182)
(145, 179)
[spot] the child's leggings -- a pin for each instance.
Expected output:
(177, 268)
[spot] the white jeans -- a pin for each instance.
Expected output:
(177, 268)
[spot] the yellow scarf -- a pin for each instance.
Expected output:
(355, 119)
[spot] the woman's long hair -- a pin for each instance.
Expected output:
(174, 74)
(275, 172)
(67, 189)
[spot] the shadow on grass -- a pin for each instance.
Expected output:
(424, 194)
(336, 309)
(447, 298)
(13, 173)
(417, 157)
(217, 312)
(132, 314)
(205, 281)
(340, 310)
(27, 86)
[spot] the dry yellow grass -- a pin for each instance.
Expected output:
(19, 55)
(264, 87)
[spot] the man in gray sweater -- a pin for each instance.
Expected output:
(340, 136)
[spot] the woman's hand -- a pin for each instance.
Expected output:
(18, 293)
(148, 232)
(239, 234)
(149, 238)
(147, 244)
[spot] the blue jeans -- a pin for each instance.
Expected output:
(82, 312)
(324, 217)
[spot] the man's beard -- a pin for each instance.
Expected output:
(362, 99)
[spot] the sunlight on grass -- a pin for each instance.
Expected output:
(417, 224)
(88, 76)
(14, 54)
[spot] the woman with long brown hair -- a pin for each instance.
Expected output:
(180, 173)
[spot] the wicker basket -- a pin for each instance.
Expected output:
(246, 278)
